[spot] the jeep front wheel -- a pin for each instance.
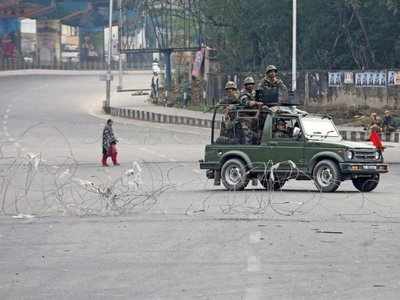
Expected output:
(234, 176)
(327, 176)
(366, 184)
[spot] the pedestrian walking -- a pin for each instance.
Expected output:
(109, 144)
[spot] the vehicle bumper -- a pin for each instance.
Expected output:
(363, 168)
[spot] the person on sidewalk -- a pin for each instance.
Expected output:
(388, 123)
(109, 144)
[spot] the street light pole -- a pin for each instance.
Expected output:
(294, 45)
(108, 79)
(120, 41)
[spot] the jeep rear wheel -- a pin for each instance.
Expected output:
(366, 184)
(327, 176)
(234, 176)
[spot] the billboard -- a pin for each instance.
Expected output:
(371, 79)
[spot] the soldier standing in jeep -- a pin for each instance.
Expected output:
(271, 90)
(248, 94)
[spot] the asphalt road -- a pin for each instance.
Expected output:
(169, 234)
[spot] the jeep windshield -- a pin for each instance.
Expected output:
(316, 127)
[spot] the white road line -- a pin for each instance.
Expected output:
(255, 237)
(5, 116)
(172, 159)
(5, 122)
(8, 110)
(253, 264)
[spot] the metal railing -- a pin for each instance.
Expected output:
(9, 65)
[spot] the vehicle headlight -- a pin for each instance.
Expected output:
(377, 155)
(349, 154)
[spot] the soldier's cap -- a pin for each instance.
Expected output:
(249, 80)
(271, 68)
(281, 121)
(230, 85)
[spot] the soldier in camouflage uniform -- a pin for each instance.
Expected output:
(248, 94)
(271, 90)
(231, 94)
(229, 125)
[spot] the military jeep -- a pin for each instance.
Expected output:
(287, 143)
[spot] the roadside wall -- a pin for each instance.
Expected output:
(330, 89)
(375, 91)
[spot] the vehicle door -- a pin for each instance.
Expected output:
(286, 142)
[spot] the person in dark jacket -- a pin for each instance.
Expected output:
(109, 144)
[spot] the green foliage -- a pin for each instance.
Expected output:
(337, 34)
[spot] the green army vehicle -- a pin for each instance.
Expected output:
(289, 144)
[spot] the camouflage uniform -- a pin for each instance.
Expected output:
(246, 96)
(228, 125)
(271, 92)
(227, 99)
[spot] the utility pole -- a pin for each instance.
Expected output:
(119, 87)
(294, 46)
(108, 78)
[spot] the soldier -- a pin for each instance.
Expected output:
(281, 130)
(231, 96)
(248, 94)
(271, 89)
(229, 124)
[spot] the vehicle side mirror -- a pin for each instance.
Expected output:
(296, 132)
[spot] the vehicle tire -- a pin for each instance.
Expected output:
(234, 175)
(366, 184)
(327, 176)
(273, 186)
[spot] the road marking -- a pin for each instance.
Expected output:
(255, 237)
(5, 122)
(5, 116)
(172, 159)
(196, 171)
(8, 110)
(253, 264)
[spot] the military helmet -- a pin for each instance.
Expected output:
(230, 85)
(271, 68)
(249, 80)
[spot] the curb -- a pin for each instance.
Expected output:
(137, 114)
(141, 115)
